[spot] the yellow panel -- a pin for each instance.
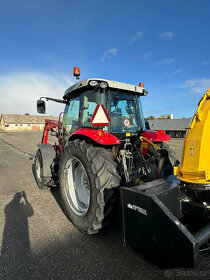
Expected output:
(196, 152)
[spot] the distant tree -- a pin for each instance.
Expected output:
(151, 118)
(168, 118)
(27, 114)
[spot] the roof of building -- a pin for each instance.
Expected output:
(28, 119)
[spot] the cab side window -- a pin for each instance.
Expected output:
(71, 116)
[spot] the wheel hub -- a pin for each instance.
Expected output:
(77, 187)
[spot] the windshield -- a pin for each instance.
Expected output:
(125, 116)
(125, 112)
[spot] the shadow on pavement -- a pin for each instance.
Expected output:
(16, 242)
(67, 253)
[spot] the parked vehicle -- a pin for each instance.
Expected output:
(175, 128)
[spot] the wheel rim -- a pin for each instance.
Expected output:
(38, 169)
(77, 186)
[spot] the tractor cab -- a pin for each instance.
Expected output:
(101, 104)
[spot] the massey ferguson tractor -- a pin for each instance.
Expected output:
(105, 158)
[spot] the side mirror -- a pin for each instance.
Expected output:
(40, 105)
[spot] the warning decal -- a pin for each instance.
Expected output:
(100, 116)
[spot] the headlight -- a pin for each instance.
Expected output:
(93, 83)
(103, 85)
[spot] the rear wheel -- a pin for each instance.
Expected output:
(87, 175)
(170, 161)
(41, 181)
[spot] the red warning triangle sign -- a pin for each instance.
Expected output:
(100, 116)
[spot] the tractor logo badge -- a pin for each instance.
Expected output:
(137, 208)
(126, 122)
(100, 116)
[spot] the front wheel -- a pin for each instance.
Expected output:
(87, 177)
(42, 182)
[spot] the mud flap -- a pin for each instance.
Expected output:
(153, 225)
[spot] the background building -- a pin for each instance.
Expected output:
(13, 122)
(174, 128)
(167, 116)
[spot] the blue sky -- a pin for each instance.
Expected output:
(165, 44)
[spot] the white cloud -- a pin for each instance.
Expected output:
(169, 35)
(138, 35)
(177, 72)
(197, 85)
(205, 63)
(147, 54)
(165, 61)
(109, 52)
(20, 91)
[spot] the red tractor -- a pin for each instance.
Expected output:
(104, 147)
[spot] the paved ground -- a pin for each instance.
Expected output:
(37, 241)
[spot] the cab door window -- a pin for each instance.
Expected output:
(71, 117)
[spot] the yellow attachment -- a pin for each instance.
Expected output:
(195, 166)
(142, 138)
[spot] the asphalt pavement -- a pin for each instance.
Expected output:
(38, 242)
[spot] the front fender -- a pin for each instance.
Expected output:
(48, 155)
(97, 135)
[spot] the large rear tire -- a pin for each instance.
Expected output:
(87, 176)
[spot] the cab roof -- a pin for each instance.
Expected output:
(74, 90)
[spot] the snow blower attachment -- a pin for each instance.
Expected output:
(170, 226)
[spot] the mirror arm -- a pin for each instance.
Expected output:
(55, 100)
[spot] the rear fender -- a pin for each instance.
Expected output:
(48, 155)
(97, 135)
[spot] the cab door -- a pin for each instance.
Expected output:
(71, 118)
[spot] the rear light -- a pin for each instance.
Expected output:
(162, 131)
(100, 132)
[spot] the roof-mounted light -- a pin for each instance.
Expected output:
(103, 85)
(93, 83)
(76, 72)
(141, 85)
